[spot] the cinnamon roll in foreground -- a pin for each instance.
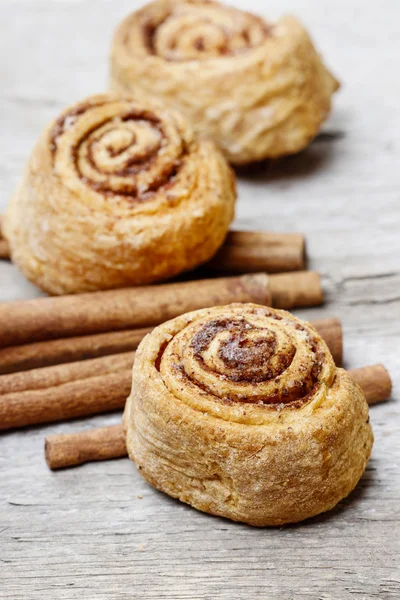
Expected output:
(241, 412)
(259, 89)
(118, 193)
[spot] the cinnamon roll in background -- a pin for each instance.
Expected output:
(259, 89)
(241, 412)
(118, 193)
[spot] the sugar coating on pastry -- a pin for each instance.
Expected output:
(241, 412)
(116, 193)
(259, 89)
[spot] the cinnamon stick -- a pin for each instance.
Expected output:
(67, 450)
(50, 377)
(4, 248)
(254, 251)
(374, 381)
(291, 290)
(97, 312)
(55, 352)
(331, 331)
(77, 398)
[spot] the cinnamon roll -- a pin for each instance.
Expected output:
(259, 89)
(118, 193)
(241, 412)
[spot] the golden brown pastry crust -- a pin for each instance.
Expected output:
(118, 193)
(260, 90)
(241, 412)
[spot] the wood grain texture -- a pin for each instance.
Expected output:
(99, 531)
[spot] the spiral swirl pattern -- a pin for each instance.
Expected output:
(118, 192)
(245, 355)
(258, 89)
(117, 148)
(240, 411)
(201, 30)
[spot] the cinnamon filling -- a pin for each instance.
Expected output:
(197, 34)
(250, 354)
(122, 181)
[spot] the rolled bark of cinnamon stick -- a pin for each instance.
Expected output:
(374, 381)
(99, 312)
(331, 332)
(50, 377)
(105, 443)
(55, 352)
(291, 290)
(54, 393)
(4, 248)
(79, 398)
(69, 449)
(254, 251)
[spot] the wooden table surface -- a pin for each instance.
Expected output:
(99, 531)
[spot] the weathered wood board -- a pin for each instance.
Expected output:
(99, 531)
